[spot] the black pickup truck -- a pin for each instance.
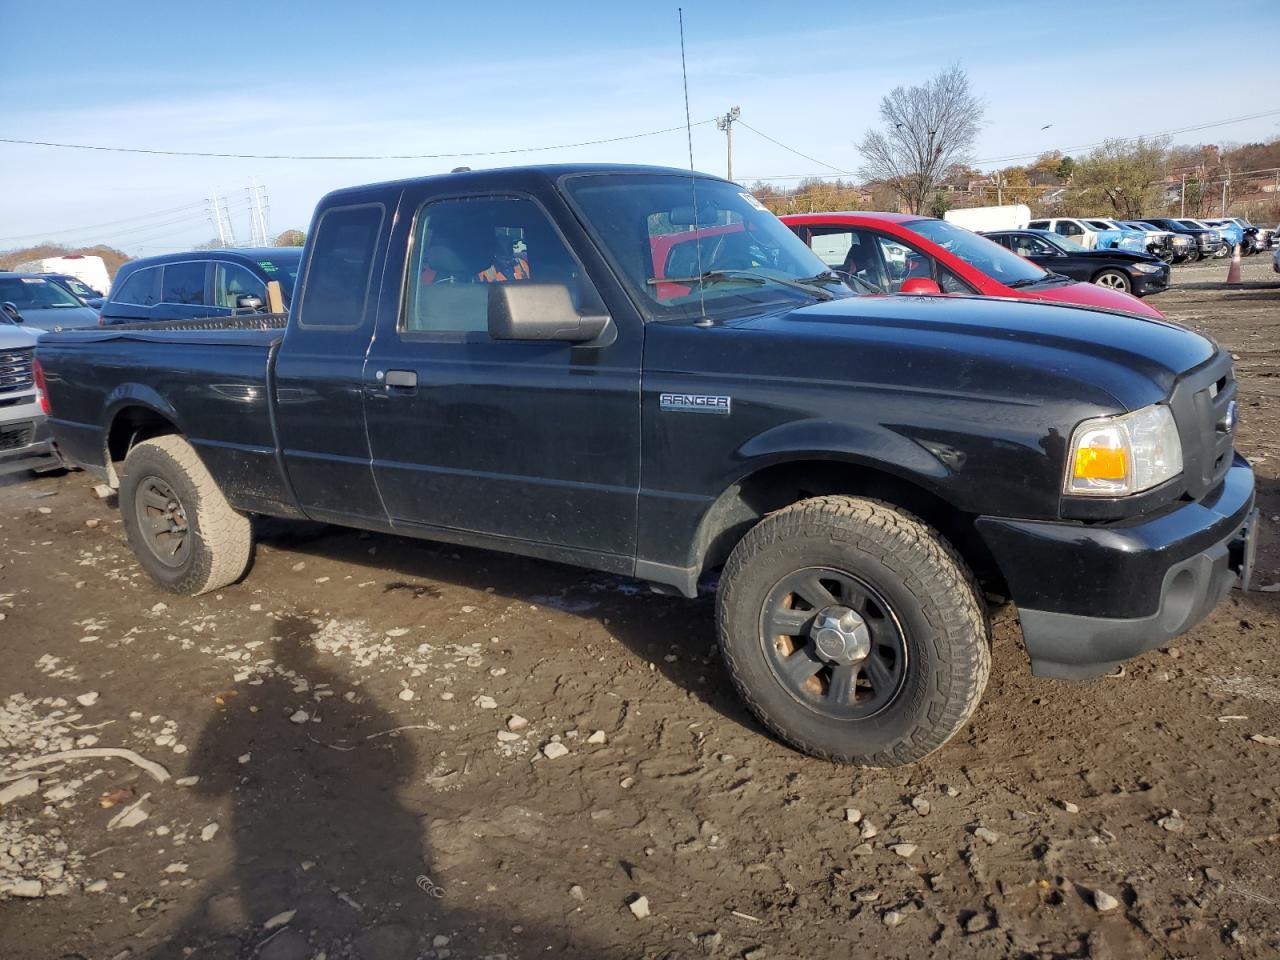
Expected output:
(642, 371)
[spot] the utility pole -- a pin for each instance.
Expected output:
(1184, 196)
(725, 123)
(998, 179)
(1226, 185)
(255, 207)
(217, 218)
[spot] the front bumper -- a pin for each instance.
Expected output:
(1210, 247)
(1092, 596)
(1148, 283)
(33, 448)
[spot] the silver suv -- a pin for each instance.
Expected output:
(25, 443)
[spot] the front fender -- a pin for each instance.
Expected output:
(816, 439)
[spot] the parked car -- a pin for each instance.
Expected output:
(1253, 238)
(1232, 233)
(1275, 260)
(1138, 273)
(1208, 241)
(858, 470)
(25, 441)
(1165, 244)
(886, 250)
(1090, 234)
(39, 302)
(1125, 237)
(78, 288)
(203, 283)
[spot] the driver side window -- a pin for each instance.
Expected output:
(463, 246)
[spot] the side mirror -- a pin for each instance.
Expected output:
(920, 287)
(248, 301)
(525, 310)
(11, 309)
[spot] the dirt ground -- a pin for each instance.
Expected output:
(344, 782)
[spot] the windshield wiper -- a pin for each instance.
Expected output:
(1027, 281)
(844, 277)
(746, 276)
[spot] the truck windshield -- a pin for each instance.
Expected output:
(986, 255)
(661, 245)
(35, 293)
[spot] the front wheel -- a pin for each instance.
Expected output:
(1113, 280)
(853, 631)
(180, 526)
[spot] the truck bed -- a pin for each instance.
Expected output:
(208, 378)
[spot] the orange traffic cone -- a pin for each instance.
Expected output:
(1233, 274)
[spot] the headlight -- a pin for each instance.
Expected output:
(1118, 456)
(1148, 267)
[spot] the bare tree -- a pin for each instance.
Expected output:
(927, 130)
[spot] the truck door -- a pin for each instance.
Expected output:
(319, 370)
(504, 440)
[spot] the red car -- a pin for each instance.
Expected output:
(885, 251)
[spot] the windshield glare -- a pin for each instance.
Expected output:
(986, 255)
(35, 293)
(653, 234)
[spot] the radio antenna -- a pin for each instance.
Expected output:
(693, 178)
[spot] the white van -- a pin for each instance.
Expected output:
(88, 269)
(1010, 216)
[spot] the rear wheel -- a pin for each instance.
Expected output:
(853, 631)
(180, 526)
(1114, 280)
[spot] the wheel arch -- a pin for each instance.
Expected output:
(786, 480)
(134, 413)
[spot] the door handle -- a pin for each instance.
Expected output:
(401, 378)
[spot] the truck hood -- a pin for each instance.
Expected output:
(971, 340)
(69, 318)
(13, 336)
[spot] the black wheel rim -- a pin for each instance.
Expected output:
(162, 520)
(845, 673)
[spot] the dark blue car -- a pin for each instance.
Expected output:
(201, 283)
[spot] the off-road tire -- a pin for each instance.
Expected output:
(221, 537)
(932, 592)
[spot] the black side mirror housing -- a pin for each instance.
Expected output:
(11, 309)
(526, 310)
(248, 301)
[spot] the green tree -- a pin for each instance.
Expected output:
(1126, 174)
(291, 238)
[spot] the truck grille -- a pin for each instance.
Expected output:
(1203, 404)
(15, 438)
(15, 371)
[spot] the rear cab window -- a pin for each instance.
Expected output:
(340, 270)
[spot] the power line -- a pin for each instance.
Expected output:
(779, 143)
(1032, 156)
(1146, 136)
(110, 223)
(405, 156)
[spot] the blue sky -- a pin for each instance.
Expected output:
(426, 77)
